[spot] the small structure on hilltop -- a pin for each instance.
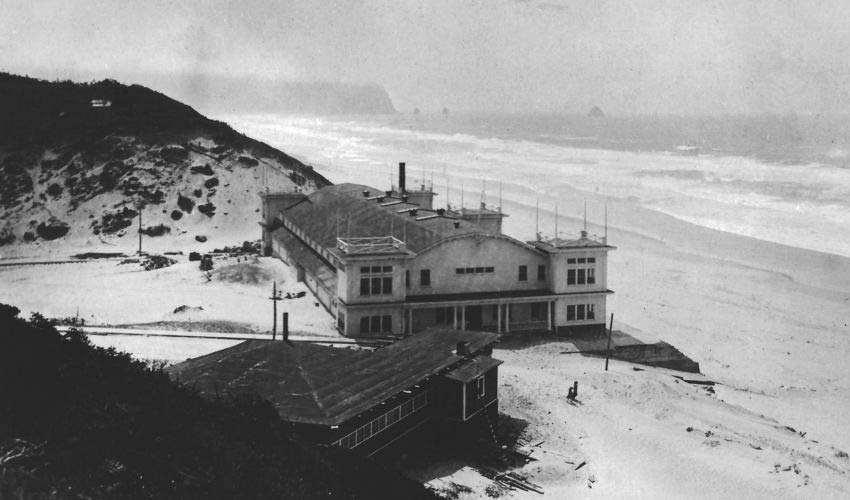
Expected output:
(388, 262)
(355, 399)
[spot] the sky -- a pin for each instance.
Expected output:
(626, 56)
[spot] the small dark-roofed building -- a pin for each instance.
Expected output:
(358, 399)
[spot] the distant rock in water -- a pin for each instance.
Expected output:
(596, 112)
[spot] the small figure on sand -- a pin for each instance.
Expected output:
(572, 394)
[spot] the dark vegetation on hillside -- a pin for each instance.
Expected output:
(63, 144)
(79, 421)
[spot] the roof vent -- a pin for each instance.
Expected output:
(412, 212)
(462, 348)
(366, 193)
(584, 234)
(441, 212)
(457, 224)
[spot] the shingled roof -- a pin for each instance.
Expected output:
(342, 210)
(310, 383)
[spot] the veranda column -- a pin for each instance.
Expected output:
(454, 317)
(463, 318)
(498, 318)
(507, 318)
(549, 315)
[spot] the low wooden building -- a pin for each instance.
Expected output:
(359, 399)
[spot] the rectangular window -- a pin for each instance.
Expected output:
(523, 273)
(386, 324)
(388, 286)
(488, 269)
(591, 276)
(479, 386)
(541, 272)
(375, 324)
(425, 277)
(571, 261)
(571, 276)
(470, 270)
(591, 313)
(479, 270)
(580, 312)
(364, 324)
(580, 276)
(364, 286)
(407, 279)
(580, 260)
(376, 286)
(364, 270)
(387, 269)
(571, 313)
(591, 260)
(376, 269)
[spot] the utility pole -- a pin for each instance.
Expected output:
(274, 298)
(608, 349)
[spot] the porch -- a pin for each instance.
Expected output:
(499, 315)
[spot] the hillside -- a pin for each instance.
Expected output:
(79, 161)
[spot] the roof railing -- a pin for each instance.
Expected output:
(370, 245)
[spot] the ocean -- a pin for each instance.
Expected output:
(784, 179)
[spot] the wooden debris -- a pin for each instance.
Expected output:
(510, 480)
(581, 465)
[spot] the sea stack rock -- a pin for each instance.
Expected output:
(595, 112)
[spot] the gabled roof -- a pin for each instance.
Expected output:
(310, 383)
(342, 210)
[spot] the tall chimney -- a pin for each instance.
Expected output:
(401, 177)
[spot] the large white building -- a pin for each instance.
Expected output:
(387, 262)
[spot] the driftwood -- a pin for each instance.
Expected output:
(510, 480)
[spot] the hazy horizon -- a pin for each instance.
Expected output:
(628, 57)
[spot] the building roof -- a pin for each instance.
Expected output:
(342, 210)
(315, 384)
(475, 368)
(305, 256)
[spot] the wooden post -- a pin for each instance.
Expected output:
(140, 230)
(286, 326)
(608, 349)
(274, 298)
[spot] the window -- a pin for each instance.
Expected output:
(479, 386)
(591, 260)
(376, 324)
(571, 276)
(473, 270)
(340, 322)
(581, 274)
(571, 261)
(591, 275)
(581, 312)
(443, 315)
(375, 283)
(523, 273)
(379, 424)
(407, 279)
(425, 277)
(541, 272)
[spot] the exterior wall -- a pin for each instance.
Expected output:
(560, 267)
(476, 251)
(473, 402)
